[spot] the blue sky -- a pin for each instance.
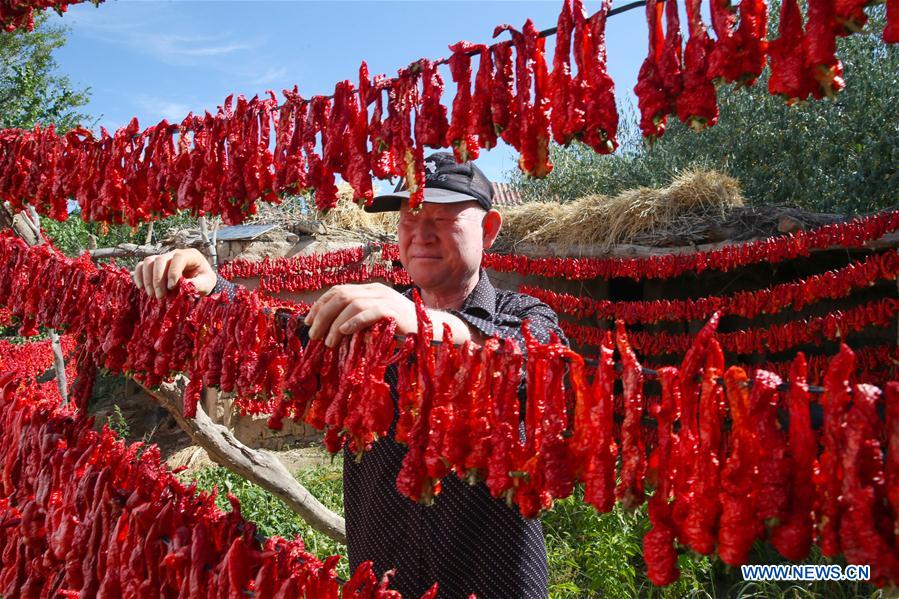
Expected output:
(161, 59)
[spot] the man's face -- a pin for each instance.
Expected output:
(442, 244)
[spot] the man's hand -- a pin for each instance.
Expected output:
(157, 275)
(345, 309)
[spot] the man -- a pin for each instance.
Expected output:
(467, 541)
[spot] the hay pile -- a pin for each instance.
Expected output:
(349, 216)
(693, 199)
(299, 215)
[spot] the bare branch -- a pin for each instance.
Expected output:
(127, 250)
(210, 247)
(60, 366)
(59, 362)
(257, 466)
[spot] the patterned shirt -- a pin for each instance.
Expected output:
(467, 541)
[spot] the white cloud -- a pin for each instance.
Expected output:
(176, 47)
(269, 76)
(154, 38)
(156, 109)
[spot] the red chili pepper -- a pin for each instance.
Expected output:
(891, 30)
(739, 527)
(697, 105)
(658, 543)
(600, 111)
(599, 485)
(502, 105)
(431, 125)
(829, 483)
(533, 113)
(862, 539)
(561, 81)
(407, 157)
(633, 451)
(650, 89)
(481, 102)
(773, 476)
(821, 47)
(462, 133)
(506, 443)
(412, 480)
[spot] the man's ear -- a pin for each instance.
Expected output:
(493, 222)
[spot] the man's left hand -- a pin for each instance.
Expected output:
(345, 309)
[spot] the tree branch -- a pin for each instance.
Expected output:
(257, 466)
(127, 250)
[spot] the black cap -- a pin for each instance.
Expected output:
(446, 182)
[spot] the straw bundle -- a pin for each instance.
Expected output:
(692, 199)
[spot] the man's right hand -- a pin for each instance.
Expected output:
(156, 275)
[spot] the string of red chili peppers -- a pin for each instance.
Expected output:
(305, 274)
(287, 274)
(772, 338)
(874, 363)
(84, 514)
(797, 295)
(223, 164)
(456, 418)
(855, 233)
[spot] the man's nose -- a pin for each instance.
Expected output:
(426, 231)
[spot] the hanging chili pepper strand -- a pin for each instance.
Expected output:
(560, 79)
(698, 526)
(633, 452)
(412, 480)
(101, 517)
(790, 76)
(738, 527)
(431, 124)
(482, 100)
(793, 536)
(773, 473)
(658, 543)
(600, 111)
(697, 105)
(532, 113)
(462, 135)
(506, 443)
(850, 234)
(797, 295)
(686, 452)
(407, 156)
(829, 481)
(862, 498)
(821, 47)
(775, 338)
(447, 368)
(650, 89)
(891, 467)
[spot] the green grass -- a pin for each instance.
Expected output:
(273, 517)
(590, 554)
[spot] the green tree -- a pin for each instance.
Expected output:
(830, 156)
(31, 89)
